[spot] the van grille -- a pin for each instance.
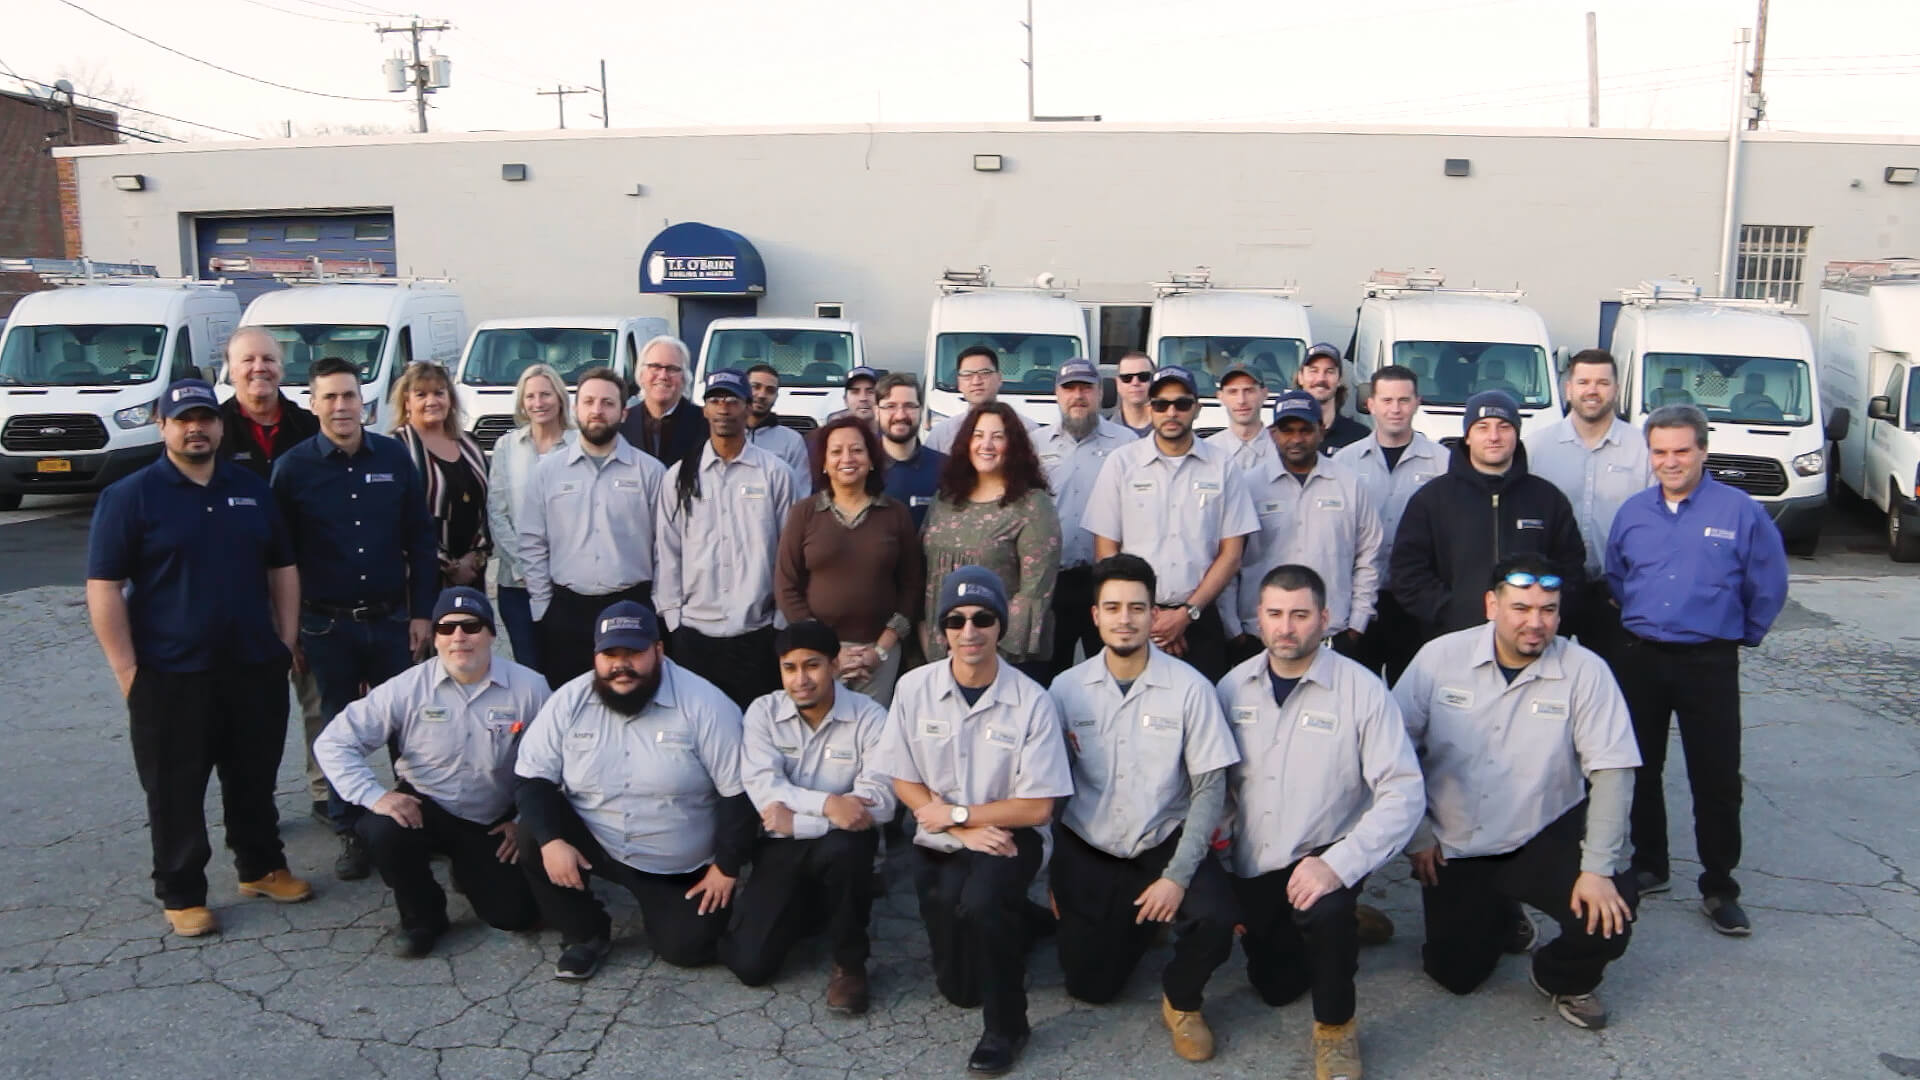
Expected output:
(1753, 475)
(488, 430)
(35, 433)
(797, 423)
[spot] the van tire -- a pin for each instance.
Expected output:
(1903, 546)
(10, 500)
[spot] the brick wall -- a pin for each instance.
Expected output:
(39, 203)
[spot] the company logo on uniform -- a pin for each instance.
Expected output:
(459, 601)
(972, 590)
(607, 626)
(190, 393)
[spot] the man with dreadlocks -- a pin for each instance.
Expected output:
(717, 527)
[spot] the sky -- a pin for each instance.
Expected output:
(1831, 65)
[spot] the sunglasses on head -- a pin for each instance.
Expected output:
(1522, 579)
(1178, 404)
(1135, 376)
(983, 620)
(446, 628)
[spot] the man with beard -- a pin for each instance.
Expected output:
(912, 470)
(1327, 789)
(1072, 453)
(1312, 513)
(631, 772)
(764, 429)
(1149, 749)
(666, 425)
(1320, 376)
(977, 375)
(721, 508)
(452, 724)
(1529, 760)
(1179, 504)
(1130, 379)
(587, 527)
(807, 760)
(1244, 440)
(1597, 460)
(199, 647)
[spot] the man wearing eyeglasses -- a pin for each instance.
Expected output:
(1529, 758)
(1180, 504)
(977, 757)
(912, 472)
(977, 374)
(1131, 376)
(453, 725)
(665, 425)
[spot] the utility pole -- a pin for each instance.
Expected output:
(1029, 60)
(1730, 220)
(1593, 70)
(419, 75)
(559, 94)
(1759, 65)
(604, 122)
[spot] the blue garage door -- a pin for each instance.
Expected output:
(290, 236)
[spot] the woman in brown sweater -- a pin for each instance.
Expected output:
(849, 557)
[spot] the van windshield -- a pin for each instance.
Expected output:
(1453, 371)
(802, 357)
(497, 357)
(1732, 389)
(1027, 361)
(1273, 360)
(304, 344)
(109, 354)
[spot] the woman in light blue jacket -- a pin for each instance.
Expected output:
(543, 423)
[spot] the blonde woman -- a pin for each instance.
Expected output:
(451, 466)
(542, 424)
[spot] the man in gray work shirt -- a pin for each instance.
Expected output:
(1072, 453)
(1513, 725)
(453, 723)
(763, 426)
(1149, 749)
(1327, 789)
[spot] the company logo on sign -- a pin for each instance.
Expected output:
(664, 268)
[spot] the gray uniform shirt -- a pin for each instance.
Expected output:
(648, 786)
(1134, 755)
(943, 433)
(1006, 745)
(1332, 767)
(1505, 760)
(1250, 456)
(790, 447)
(1072, 467)
(1421, 461)
(716, 558)
(1596, 479)
(457, 743)
(588, 525)
(782, 760)
(1328, 523)
(1172, 512)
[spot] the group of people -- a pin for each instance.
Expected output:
(1158, 682)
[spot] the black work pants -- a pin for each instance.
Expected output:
(498, 891)
(344, 655)
(1700, 684)
(565, 632)
(975, 909)
(1073, 618)
(186, 726)
(1206, 642)
(1469, 914)
(1100, 939)
(1391, 638)
(796, 886)
(680, 935)
(1290, 952)
(1597, 624)
(743, 666)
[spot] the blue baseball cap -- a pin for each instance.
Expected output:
(972, 585)
(463, 600)
(1173, 373)
(1330, 352)
(727, 381)
(1238, 369)
(863, 372)
(628, 624)
(1296, 405)
(1491, 404)
(186, 394)
(1077, 370)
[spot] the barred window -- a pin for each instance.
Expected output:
(1771, 258)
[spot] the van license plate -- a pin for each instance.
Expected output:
(53, 464)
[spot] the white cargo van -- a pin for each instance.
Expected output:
(1034, 329)
(83, 365)
(1207, 328)
(1459, 342)
(812, 356)
(378, 324)
(500, 349)
(1870, 379)
(1749, 365)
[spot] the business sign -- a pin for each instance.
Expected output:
(692, 259)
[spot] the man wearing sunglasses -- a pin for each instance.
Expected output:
(1130, 411)
(977, 757)
(1529, 758)
(453, 725)
(977, 375)
(1180, 504)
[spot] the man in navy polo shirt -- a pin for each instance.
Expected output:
(193, 594)
(913, 469)
(369, 565)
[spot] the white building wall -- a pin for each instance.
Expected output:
(871, 217)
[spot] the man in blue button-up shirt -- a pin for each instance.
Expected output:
(368, 555)
(1698, 570)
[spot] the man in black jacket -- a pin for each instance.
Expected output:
(1486, 508)
(664, 423)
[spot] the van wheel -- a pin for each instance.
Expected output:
(1806, 546)
(10, 501)
(1901, 545)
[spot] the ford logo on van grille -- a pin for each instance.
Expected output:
(52, 431)
(1730, 474)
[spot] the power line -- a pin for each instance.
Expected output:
(356, 9)
(309, 15)
(124, 107)
(211, 64)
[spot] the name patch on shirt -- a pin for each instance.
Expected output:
(839, 755)
(433, 714)
(1245, 714)
(753, 491)
(1002, 738)
(1618, 468)
(790, 751)
(1719, 534)
(567, 488)
(582, 740)
(1530, 523)
(674, 740)
(1088, 722)
(1330, 504)
(626, 485)
(1144, 487)
(241, 500)
(936, 729)
(379, 478)
(1161, 725)
(1550, 708)
(1317, 722)
(1459, 699)
(1271, 507)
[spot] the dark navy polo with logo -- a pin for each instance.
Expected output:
(362, 532)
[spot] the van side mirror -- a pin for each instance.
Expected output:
(1109, 391)
(1838, 425)
(1880, 408)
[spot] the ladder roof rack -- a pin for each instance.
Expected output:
(1200, 279)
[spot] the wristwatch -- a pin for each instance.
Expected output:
(880, 651)
(1193, 613)
(959, 814)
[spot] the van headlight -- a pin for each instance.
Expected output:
(136, 416)
(1811, 463)
(369, 413)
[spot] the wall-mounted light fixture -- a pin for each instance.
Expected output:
(1459, 166)
(1902, 174)
(513, 171)
(138, 181)
(986, 163)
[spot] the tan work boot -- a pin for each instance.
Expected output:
(847, 990)
(1192, 1038)
(1336, 1051)
(1373, 927)
(192, 921)
(280, 886)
